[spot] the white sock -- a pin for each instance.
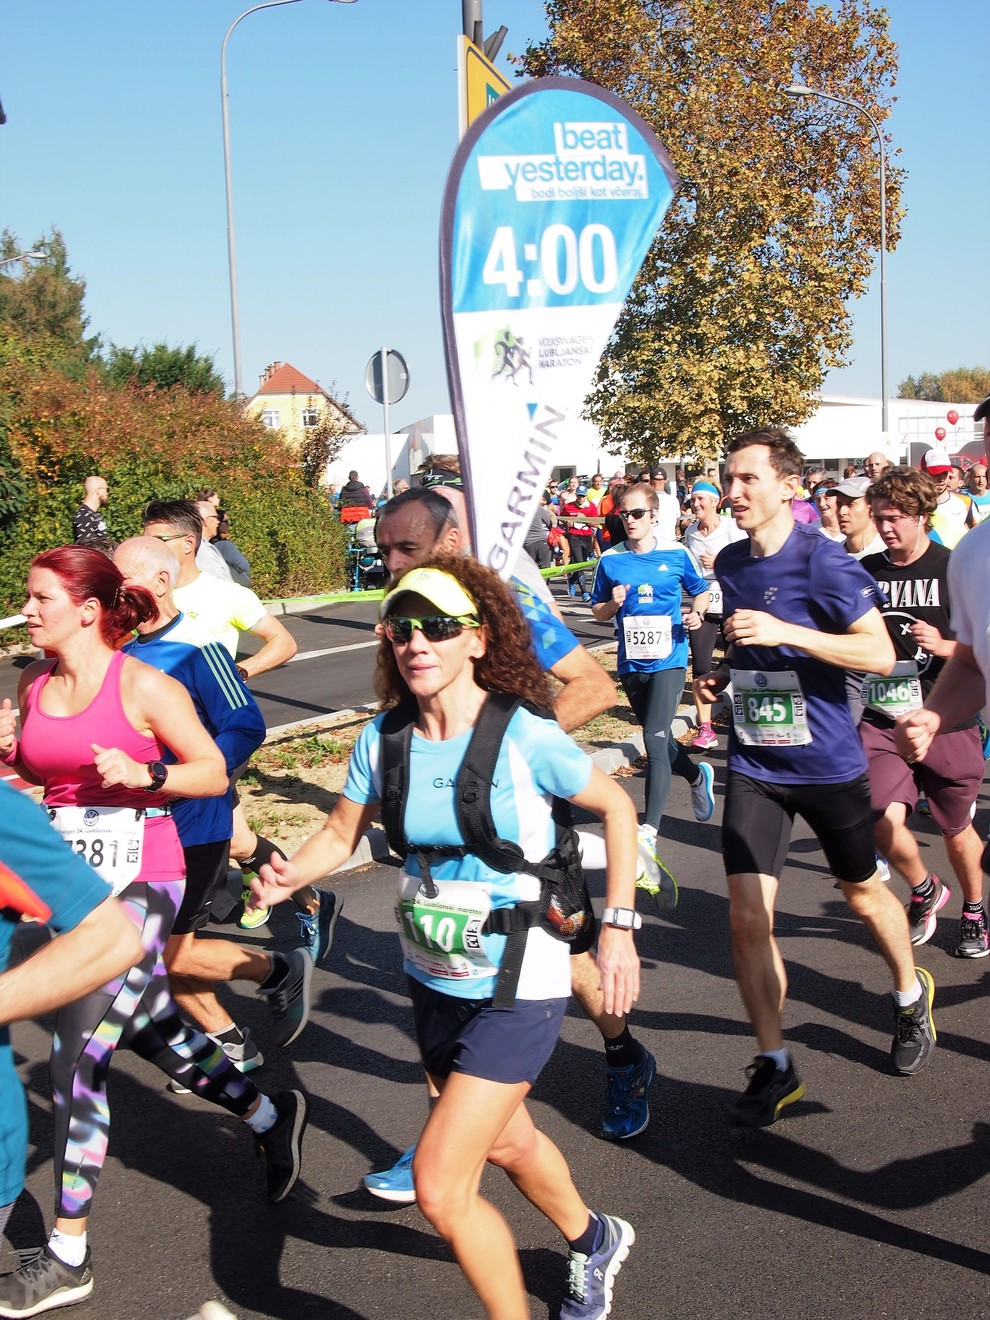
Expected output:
(263, 1118)
(905, 998)
(780, 1057)
(68, 1247)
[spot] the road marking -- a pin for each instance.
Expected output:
(331, 650)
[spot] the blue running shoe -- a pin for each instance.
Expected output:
(702, 797)
(627, 1110)
(316, 928)
(590, 1278)
(394, 1184)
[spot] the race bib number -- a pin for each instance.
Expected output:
(714, 597)
(768, 709)
(647, 636)
(109, 838)
(442, 936)
(897, 693)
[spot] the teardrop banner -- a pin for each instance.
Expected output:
(552, 202)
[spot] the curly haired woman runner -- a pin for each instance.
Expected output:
(439, 624)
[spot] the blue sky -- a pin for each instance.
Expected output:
(343, 123)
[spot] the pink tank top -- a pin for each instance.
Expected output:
(57, 751)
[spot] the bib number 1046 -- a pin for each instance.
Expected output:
(562, 260)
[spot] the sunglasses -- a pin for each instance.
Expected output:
(435, 628)
(172, 536)
(633, 513)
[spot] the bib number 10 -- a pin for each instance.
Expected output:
(565, 259)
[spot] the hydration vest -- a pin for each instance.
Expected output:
(564, 907)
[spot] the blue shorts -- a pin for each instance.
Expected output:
(471, 1036)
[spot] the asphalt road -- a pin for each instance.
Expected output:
(866, 1200)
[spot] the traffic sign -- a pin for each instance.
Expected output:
(479, 82)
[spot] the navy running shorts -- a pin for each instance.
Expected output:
(206, 867)
(472, 1036)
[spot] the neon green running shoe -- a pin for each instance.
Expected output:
(652, 877)
(251, 918)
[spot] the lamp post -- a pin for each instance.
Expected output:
(231, 250)
(23, 256)
(797, 90)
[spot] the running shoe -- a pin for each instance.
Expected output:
(915, 1034)
(651, 874)
(702, 797)
(43, 1282)
(244, 1054)
(251, 918)
(317, 928)
(394, 1184)
(627, 1110)
(883, 870)
(288, 1001)
(281, 1145)
(590, 1278)
(770, 1089)
(587, 598)
(921, 912)
(704, 740)
(974, 937)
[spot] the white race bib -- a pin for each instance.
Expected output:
(441, 936)
(647, 636)
(897, 693)
(714, 597)
(768, 708)
(109, 838)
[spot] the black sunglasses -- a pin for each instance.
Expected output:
(633, 513)
(435, 628)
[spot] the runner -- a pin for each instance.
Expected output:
(639, 583)
(95, 727)
(952, 514)
(439, 623)
(913, 575)
(799, 612)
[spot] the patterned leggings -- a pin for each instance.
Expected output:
(137, 1008)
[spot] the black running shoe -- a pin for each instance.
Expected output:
(914, 1033)
(281, 1145)
(43, 1283)
(769, 1090)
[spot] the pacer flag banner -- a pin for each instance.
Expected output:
(552, 201)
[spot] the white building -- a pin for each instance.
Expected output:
(844, 429)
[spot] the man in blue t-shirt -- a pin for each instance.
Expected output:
(95, 941)
(799, 612)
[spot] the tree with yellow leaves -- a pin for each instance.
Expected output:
(740, 307)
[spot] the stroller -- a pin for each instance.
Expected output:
(365, 566)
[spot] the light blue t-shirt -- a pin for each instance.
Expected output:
(536, 761)
(654, 580)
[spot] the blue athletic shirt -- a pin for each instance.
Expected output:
(536, 760)
(655, 579)
(226, 709)
(552, 640)
(812, 582)
(71, 889)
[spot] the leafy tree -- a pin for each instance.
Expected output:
(42, 302)
(963, 385)
(164, 367)
(739, 309)
(323, 442)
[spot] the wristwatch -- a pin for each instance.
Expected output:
(159, 773)
(622, 918)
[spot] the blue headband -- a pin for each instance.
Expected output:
(705, 488)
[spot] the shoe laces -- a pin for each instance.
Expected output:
(577, 1276)
(34, 1266)
(909, 1026)
(973, 927)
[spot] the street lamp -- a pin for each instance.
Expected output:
(231, 253)
(798, 90)
(23, 256)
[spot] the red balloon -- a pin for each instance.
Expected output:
(952, 417)
(940, 433)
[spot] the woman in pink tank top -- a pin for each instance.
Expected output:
(96, 730)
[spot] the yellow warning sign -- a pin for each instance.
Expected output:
(480, 83)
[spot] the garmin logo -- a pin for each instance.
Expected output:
(591, 160)
(529, 478)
